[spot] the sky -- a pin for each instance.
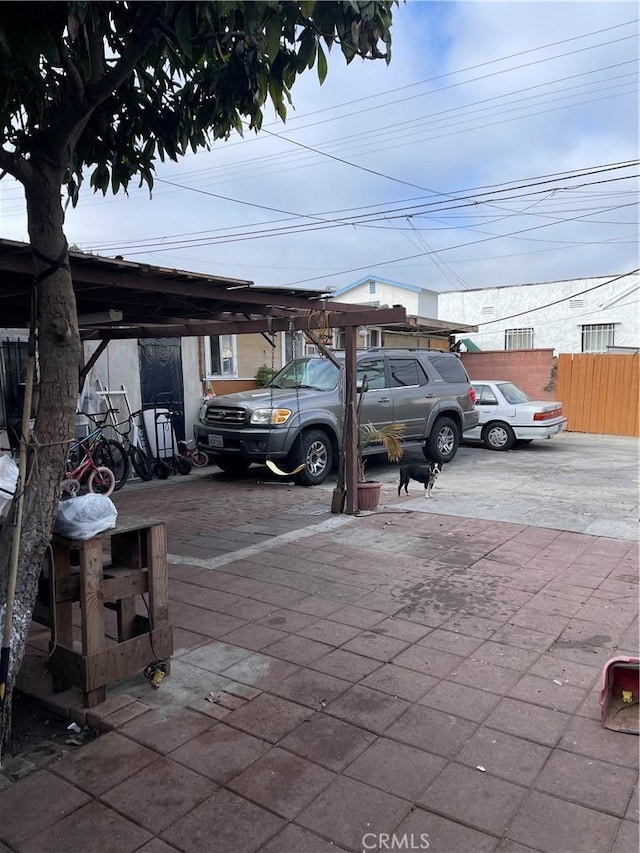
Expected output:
(499, 146)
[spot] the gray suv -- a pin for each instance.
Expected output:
(297, 418)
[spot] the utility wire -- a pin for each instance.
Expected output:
(446, 249)
(558, 301)
(472, 197)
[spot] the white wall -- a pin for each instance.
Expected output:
(192, 383)
(556, 318)
(389, 294)
(118, 365)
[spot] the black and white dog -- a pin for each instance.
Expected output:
(426, 474)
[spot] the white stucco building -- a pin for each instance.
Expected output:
(376, 292)
(578, 315)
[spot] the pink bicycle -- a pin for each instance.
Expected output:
(189, 451)
(81, 465)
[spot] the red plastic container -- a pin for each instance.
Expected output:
(619, 694)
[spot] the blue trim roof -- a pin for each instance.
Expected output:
(412, 287)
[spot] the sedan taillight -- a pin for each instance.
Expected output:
(546, 416)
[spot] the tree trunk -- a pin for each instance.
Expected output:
(58, 349)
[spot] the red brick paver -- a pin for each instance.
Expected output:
(336, 681)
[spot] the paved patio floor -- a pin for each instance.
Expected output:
(402, 680)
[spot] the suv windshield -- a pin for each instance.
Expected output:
(313, 372)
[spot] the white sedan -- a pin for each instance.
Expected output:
(508, 415)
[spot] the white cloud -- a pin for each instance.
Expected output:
(439, 119)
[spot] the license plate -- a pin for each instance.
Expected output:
(215, 441)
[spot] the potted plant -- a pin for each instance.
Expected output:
(389, 439)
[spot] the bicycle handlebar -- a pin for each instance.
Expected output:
(99, 418)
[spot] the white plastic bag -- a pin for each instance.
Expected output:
(8, 480)
(85, 516)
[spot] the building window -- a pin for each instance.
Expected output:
(369, 337)
(598, 337)
(372, 287)
(338, 339)
(222, 356)
(518, 338)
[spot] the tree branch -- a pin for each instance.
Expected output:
(96, 53)
(16, 166)
(72, 72)
(130, 57)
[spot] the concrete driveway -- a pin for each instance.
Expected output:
(577, 482)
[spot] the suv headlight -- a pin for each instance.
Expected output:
(202, 414)
(275, 417)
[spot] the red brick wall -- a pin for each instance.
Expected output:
(529, 369)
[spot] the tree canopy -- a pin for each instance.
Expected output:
(110, 87)
(105, 90)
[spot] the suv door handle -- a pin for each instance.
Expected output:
(429, 396)
(384, 399)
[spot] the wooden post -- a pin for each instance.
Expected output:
(351, 435)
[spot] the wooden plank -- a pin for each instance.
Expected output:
(158, 575)
(597, 380)
(125, 586)
(126, 612)
(113, 664)
(91, 597)
(61, 609)
(128, 658)
(633, 427)
(577, 392)
(612, 378)
(563, 385)
(126, 548)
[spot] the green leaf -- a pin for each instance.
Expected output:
(183, 29)
(322, 65)
(306, 53)
(273, 32)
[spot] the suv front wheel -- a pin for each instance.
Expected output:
(443, 441)
(313, 450)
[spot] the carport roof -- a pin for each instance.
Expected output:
(159, 301)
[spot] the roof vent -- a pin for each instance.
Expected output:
(487, 310)
(576, 303)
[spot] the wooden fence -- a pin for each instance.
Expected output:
(599, 392)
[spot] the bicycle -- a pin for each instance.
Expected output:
(189, 451)
(140, 462)
(110, 453)
(100, 479)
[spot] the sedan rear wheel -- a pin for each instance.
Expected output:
(498, 436)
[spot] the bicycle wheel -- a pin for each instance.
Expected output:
(111, 454)
(199, 458)
(183, 465)
(70, 487)
(101, 481)
(141, 464)
(162, 469)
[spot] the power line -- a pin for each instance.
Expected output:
(564, 299)
(446, 249)
(472, 198)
